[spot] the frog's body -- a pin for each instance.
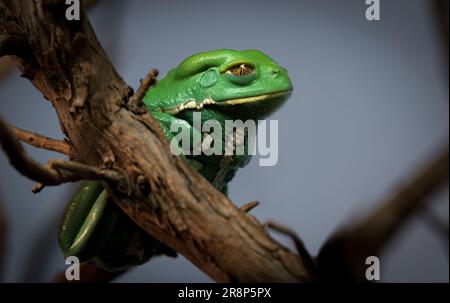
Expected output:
(222, 85)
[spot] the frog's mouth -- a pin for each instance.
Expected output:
(254, 99)
(193, 105)
(253, 108)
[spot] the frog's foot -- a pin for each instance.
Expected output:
(171, 124)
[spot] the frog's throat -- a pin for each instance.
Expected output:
(193, 105)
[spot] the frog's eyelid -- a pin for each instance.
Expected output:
(200, 63)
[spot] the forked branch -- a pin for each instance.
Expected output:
(57, 171)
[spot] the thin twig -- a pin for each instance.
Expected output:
(135, 102)
(43, 142)
(37, 188)
(301, 249)
(249, 206)
(57, 171)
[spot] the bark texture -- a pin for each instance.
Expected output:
(162, 194)
(112, 138)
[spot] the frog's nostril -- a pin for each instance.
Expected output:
(275, 73)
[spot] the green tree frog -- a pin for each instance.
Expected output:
(221, 85)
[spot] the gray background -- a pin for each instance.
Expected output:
(370, 105)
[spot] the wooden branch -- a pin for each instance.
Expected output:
(135, 103)
(12, 44)
(12, 40)
(43, 142)
(57, 171)
(6, 66)
(301, 249)
(249, 206)
(343, 255)
(163, 195)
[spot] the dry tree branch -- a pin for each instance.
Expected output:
(13, 44)
(249, 206)
(39, 141)
(343, 256)
(163, 195)
(57, 171)
(301, 249)
(135, 103)
(6, 66)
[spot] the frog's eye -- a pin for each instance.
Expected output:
(241, 74)
(240, 69)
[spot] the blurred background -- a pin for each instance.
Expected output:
(370, 105)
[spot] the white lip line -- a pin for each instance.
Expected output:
(252, 99)
(190, 104)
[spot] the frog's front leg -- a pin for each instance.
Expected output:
(172, 126)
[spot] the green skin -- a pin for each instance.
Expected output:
(223, 85)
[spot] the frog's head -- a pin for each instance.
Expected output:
(246, 83)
